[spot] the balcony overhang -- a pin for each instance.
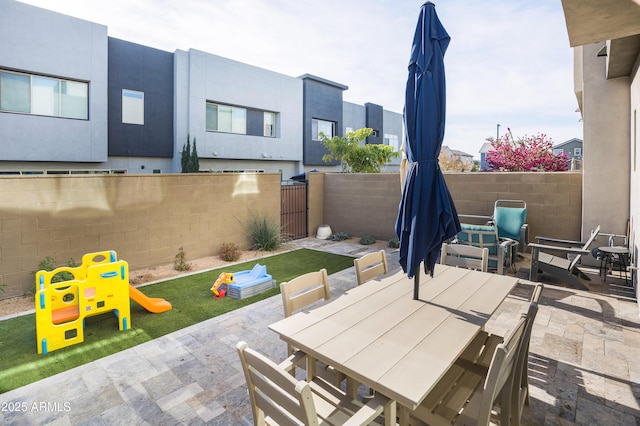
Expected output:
(621, 55)
(615, 21)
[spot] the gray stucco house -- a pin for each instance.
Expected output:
(572, 149)
(74, 100)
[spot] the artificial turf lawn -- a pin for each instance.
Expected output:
(192, 302)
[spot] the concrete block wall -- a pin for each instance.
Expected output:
(368, 203)
(144, 218)
(361, 203)
(554, 199)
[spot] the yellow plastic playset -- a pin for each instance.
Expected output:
(99, 285)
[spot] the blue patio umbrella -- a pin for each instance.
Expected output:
(427, 216)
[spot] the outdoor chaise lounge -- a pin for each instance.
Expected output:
(563, 268)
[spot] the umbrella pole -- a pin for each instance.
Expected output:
(416, 285)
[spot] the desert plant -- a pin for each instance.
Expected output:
(367, 240)
(229, 252)
(49, 264)
(338, 236)
(180, 261)
(265, 232)
(394, 242)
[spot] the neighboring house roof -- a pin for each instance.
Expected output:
(485, 148)
(455, 152)
(560, 145)
(460, 153)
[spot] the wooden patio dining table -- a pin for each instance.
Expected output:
(381, 337)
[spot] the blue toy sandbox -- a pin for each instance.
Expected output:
(250, 283)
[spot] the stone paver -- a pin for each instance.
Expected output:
(584, 364)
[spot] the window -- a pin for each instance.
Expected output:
(577, 152)
(226, 118)
(132, 107)
(321, 126)
(270, 124)
(34, 94)
(392, 141)
(558, 151)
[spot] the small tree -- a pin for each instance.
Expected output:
(355, 157)
(452, 163)
(529, 154)
(189, 159)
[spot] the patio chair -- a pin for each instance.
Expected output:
(477, 357)
(278, 398)
(469, 257)
(510, 217)
(301, 292)
(612, 258)
(487, 236)
(370, 266)
(304, 290)
(563, 268)
(520, 395)
(463, 396)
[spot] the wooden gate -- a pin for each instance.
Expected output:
(294, 209)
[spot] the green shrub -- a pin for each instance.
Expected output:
(367, 240)
(394, 242)
(229, 252)
(339, 236)
(49, 264)
(265, 232)
(180, 261)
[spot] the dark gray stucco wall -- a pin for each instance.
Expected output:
(375, 121)
(322, 100)
(136, 67)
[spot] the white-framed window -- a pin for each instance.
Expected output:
(132, 107)
(322, 126)
(577, 152)
(40, 95)
(392, 141)
(226, 118)
(270, 124)
(558, 151)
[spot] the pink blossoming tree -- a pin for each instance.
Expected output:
(527, 154)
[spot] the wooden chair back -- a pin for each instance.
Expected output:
(278, 398)
(520, 391)
(274, 393)
(467, 395)
(469, 257)
(576, 260)
(370, 266)
(304, 290)
(501, 371)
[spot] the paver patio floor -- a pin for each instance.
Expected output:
(584, 363)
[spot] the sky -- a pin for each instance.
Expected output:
(509, 62)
